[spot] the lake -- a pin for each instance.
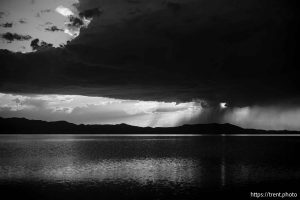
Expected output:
(146, 167)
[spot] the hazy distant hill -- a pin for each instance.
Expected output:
(25, 126)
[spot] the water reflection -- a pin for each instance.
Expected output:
(171, 170)
(71, 158)
(142, 171)
(202, 162)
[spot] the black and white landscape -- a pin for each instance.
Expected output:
(148, 99)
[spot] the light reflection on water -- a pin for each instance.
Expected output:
(186, 161)
(139, 170)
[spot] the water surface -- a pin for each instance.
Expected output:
(147, 167)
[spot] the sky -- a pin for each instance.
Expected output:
(99, 110)
(54, 22)
(157, 62)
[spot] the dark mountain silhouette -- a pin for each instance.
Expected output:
(25, 126)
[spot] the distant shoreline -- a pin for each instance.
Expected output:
(153, 135)
(10, 126)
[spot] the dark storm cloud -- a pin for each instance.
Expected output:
(7, 25)
(242, 53)
(53, 29)
(36, 44)
(134, 11)
(75, 21)
(134, 1)
(173, 5)
(90, 13)
(14, 36)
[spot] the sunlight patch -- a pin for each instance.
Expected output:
(64, 11)
(99, 110)
(223, 105)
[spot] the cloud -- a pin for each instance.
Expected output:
(28, 18)
(75, 22)
(7, 25)
(36, 44)
(90, 13)
(243, 54)
(14, 36)
(134, 1)
(64, 11)
(53, 29)
(2, 14)
(42, 12)
(46, 11)
(276, 117)
(98, 110)
(22, 21)
(173, 6)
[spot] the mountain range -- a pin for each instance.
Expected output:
(26, 126)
